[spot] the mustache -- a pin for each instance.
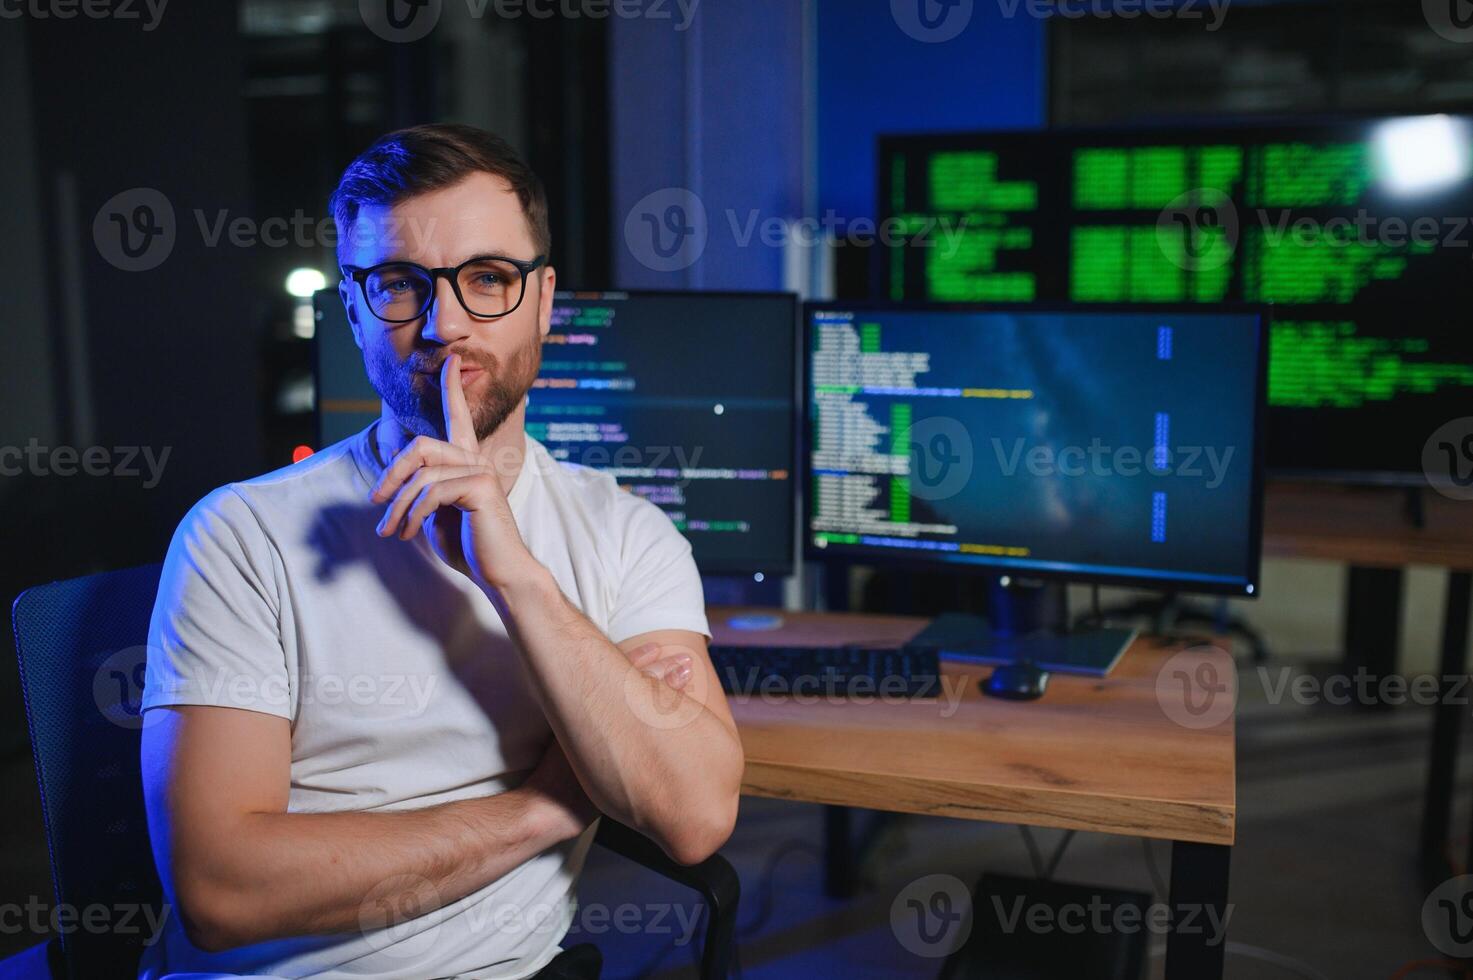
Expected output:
(435, 363)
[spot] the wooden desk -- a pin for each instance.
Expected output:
(1095, 754)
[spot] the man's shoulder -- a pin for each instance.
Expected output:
(329, 473)
(333, 465)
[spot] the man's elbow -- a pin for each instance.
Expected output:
(214, 921)
(700, 835)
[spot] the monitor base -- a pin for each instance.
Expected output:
(1168, 613)
(960, 636)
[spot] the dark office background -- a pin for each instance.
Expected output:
(251, 108)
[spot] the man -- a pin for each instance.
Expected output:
(390, 687)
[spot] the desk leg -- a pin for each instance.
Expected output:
(1199, 891)
(1373, 607)
(838, 853)
(1447, 720)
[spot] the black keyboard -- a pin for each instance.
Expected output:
(833, 672)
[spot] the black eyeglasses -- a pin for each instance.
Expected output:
(487, 286)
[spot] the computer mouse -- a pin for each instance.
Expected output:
(756, 621)
(1016, 682)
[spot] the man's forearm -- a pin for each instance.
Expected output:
(672, 774)
(291, 874)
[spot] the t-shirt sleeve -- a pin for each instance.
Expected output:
(659, 587)
(215, 636)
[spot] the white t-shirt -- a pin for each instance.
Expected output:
(401, 685)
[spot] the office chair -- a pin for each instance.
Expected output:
(80, 645)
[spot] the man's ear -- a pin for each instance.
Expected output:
(544, 299)
(345, 293)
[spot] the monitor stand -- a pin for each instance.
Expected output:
(961, 636)
(1169, 611)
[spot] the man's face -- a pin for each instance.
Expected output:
(500, 356)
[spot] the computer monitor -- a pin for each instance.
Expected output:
(688, 399)
(1101, 445)
(344, 401)
(1357, 231)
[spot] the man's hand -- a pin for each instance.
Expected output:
(674, 668)
(554, 782)
(449, 490)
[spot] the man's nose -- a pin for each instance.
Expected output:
(446, 321)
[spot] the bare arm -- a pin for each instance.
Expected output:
(239, 869)
(667, 763)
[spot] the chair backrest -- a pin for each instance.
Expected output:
(81, 645)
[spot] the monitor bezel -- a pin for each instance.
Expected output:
(1249, 588)
(741, 568)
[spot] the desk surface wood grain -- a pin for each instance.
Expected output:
(1098, 754)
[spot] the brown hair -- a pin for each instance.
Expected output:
(420, 159)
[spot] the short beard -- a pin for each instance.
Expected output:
(416, 403)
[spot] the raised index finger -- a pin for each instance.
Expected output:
(460, 430)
